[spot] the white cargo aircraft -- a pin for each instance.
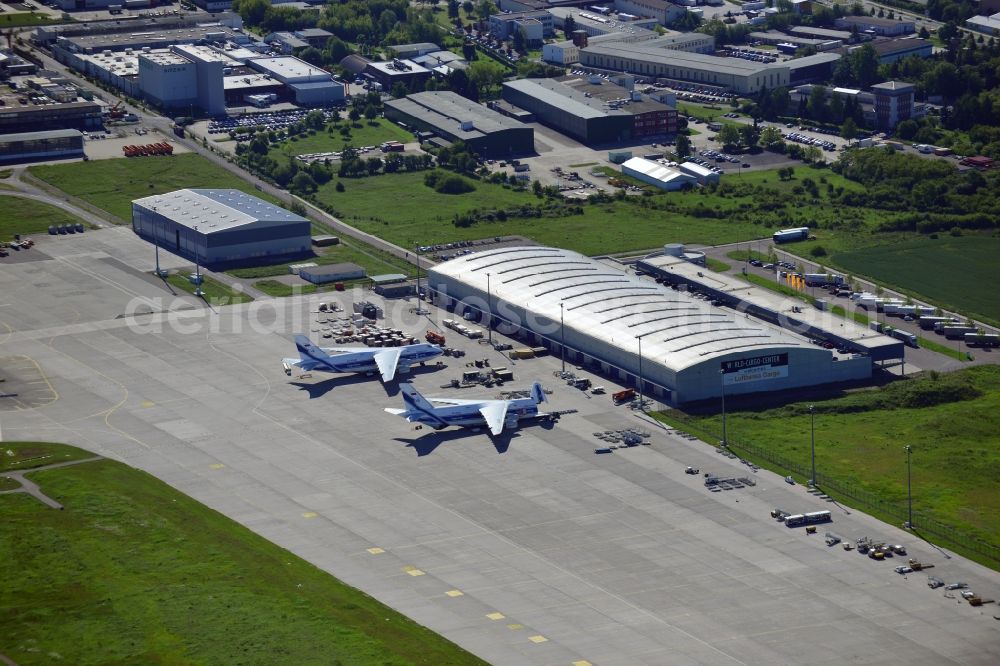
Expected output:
(385, 360)
(443, 412)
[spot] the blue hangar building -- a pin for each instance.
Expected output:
(221, 227)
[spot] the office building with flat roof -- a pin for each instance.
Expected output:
(893, 103)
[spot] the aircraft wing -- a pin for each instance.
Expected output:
(387, 360)
(495, 413)
(334, 351)
(302, 364)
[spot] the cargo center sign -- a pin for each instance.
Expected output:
(755, 369)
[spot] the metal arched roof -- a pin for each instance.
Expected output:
(613, 307)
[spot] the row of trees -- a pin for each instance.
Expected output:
(365, 22)
(896, 181)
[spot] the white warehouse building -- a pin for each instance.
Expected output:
(620, 325)
(657, 174)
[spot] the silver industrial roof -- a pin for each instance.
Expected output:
(644, 52)
(448, 110)
(615, 308)
(809, 61)
(45, 134)
(212, 211)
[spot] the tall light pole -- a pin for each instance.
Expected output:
(722, 375)
(812, 441)
(909, 492)
(642, 400)
(562, 337)
(489, 309)
(156, 242)
(416, 251)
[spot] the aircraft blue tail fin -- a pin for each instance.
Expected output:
(308, 351)
(413, 400)
(537, 394)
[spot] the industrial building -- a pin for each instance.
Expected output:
(647, 59)
(778, 38)
(819, 33)
(48, 34)
(11, 64)
(220, 227)
(406, 51)
(657, 174)
(331, 273)
(454, 118)
(97, 41)
(534, 25)
(989, 25)
(664, 12)
(568, 52)
(848, 337)
(615, 323)
(591, 110)
(308, 85)
(49, 145)
(40, 103)
(876, 26)
(388, 74)
(206, 76)
(891, 50)
(701, 174)
(441, 63)
(817, 67)
(596, 25)
(286, 42)
(183, 76)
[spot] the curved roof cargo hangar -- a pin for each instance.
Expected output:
(690, 349)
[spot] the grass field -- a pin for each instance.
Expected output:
(374, 261)
(134, 572)
(28, 19)
(948, 419)
(214, 292)
(29, 217)
(426, 218)
(962, 272)
(371, 133)
(112, 184)
(704, 112)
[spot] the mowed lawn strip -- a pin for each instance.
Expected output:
(30, 218)
(112, 184)
(860, 439)
(374, 261)
(213, 291)
(133, 571)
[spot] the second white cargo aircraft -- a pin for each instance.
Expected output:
(443, 412)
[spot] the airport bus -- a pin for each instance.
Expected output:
(808, 518)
